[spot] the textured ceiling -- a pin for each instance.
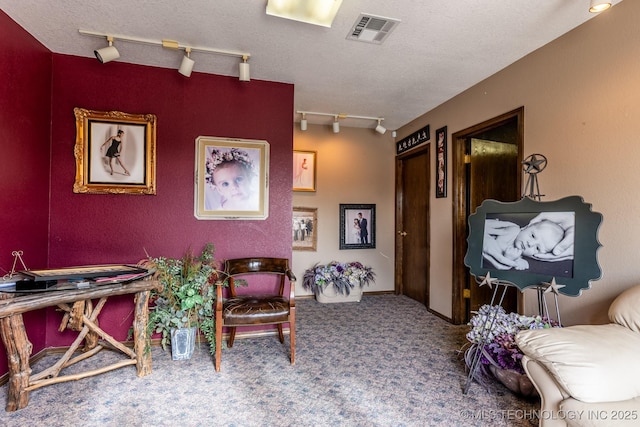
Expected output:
(439, 49)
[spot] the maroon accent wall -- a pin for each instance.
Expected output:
(96, 228)
(25, 116)
(38, 93)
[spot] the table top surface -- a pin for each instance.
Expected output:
(21, 302)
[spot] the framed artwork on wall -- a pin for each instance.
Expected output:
(232, 178)
(305, 229)
(357, 226)
(527, 243)
(115, 152)
(441, 162)
(304, 170)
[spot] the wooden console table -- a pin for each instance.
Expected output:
(80, 315)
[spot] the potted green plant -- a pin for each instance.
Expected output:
(337, 281)
(185, 305)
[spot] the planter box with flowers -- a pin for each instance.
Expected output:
(338, 282)
(501, 358)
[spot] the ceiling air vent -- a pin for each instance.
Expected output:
(372, 29)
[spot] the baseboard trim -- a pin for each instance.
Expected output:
(363, 294)
(440, 315)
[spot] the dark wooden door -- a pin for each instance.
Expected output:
(412, 225)
(492, 174)
(487, 161)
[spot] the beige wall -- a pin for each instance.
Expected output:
(581, 97)
(353, 166)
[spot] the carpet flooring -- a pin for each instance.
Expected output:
(385, 361)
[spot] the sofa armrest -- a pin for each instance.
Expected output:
(551, 393)
(593, 363)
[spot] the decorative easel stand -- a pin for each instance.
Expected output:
(573, 258)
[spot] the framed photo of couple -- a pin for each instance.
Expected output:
(115, 152)
(232, 177)
(357, 226)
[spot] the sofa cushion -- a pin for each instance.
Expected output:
(593, 363)
(625, 309)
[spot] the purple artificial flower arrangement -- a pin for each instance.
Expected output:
(342, 276)
(496, 329)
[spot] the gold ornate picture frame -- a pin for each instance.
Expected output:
(115, 152)
(232, 178)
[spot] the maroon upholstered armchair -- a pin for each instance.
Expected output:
(247, 308)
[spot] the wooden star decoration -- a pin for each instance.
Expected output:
(488, 280)
(533, 163)
(552, 286)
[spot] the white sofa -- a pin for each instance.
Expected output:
(588, 375)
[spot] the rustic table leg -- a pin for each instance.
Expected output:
(91, 340)
(141, 343)
(18, 349)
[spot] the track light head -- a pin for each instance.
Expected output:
(186, 66)
(107, 54)
(336, 125)
(244, 72)
(303, 122)
(380, 129)
(598, 6)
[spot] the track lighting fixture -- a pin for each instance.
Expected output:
(244, 70)
(598, 6)
(108, 53)
(303, 122)
(186, 66)
(336, 124)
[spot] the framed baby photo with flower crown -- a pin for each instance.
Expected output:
(115, 152)
(232, 177)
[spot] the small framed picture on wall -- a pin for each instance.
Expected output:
(304, 170)
(441, 162)
(305, 229)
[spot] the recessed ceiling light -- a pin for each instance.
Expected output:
(316, 12)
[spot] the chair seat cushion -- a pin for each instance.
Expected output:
(252, 310)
